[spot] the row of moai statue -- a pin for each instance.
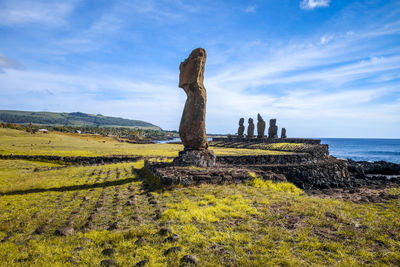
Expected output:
(272, 130)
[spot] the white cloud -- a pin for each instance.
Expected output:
(24, 12)
(159, 102)
(8, 63)
(250, 9)
(325, 39)
(312, 4)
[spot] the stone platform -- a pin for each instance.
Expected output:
(308, 175)
(323, 174)
(235, 138)
(316, 151)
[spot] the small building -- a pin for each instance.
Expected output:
(43, 131)
(78, 131)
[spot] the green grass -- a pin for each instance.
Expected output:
(58, 144)
(259, 223)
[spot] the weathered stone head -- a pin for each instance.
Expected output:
(192, 69)
(250, 128)
(260, 126)
(273, 129)
(241, 127)
(192, 129)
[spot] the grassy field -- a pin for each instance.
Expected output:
(62, 144)
(53, 215)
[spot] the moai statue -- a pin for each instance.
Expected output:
(250, 129)
(260, 126)
(192, 130)
(241, 128)
(273, 129)
(283, 133)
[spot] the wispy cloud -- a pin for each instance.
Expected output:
(23, 12)
(8, 63)
(250, 9)
(312, 4)
(325, 39)
(124, 62)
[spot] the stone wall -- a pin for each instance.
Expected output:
(268, 140)
(74, 160)
(265, 159)
(317, 151)
(172, 175)
(325, 174)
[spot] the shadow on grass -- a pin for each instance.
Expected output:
(71, 187)
(150, 183)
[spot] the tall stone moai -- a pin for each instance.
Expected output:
(192, 129)
(260, 126)
(241, 128)
(250, 128)
(273, 129)
(283, 133)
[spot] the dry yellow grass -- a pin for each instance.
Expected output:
(60, 144)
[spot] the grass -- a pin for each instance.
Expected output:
(62, 144)
(259, 223)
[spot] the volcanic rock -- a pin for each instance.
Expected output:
(201, 158)
(189, 259)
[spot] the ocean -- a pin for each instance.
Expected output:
(364, 149)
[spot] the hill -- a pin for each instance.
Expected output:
(71, 119)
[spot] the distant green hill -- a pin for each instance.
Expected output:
(78, 119)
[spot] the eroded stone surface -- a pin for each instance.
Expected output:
(250, 128)
(273, 129)
(201, 158)
(192, 128)
(260, 126)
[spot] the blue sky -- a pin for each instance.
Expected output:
(323, 68)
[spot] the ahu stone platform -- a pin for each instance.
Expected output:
(266, 140)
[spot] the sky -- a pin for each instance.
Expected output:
(322, 68)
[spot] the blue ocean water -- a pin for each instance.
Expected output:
(364, 149)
